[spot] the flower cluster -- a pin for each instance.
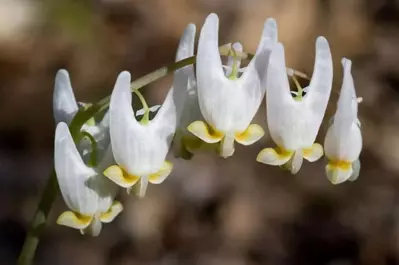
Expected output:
(209, 108)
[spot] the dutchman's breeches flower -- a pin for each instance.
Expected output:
(229, 103)
(140, 147)
(343, 141)
(65, 108)
(87, 193)
(295, 121)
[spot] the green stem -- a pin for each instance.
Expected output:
(93, 154)
(146, 117)
(50, 191)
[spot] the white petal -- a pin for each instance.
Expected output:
(94, 228)
(72, 174)
(169, 115)
(346, 113)
(318, 92)
(356, 170)
(121, 119)
(283, 113)
(64, 102)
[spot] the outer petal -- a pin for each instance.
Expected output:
(64, 102)
(72, 174)
(122, 120)
(170, 113)
(319, 88)
(283, 114)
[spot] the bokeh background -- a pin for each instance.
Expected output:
(210, 211)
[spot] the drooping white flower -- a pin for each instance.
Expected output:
(229, 103)
(185, 143)
(343, 142)
(294, 122)
(87, 193)
(65, 108)
(140, 147)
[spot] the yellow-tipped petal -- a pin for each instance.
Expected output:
(338, 171)
(251, 135)
(162, 174)
(274, 157)
(113, 212)
(120, 177)
(74, 220)
(204, 132)
(314, 153)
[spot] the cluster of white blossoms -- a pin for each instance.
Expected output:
(209, 108)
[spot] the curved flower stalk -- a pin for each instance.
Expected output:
(294, 122)
(87, 193)
(65, 108)
(140, 147)
(229, 103)
(343, 142)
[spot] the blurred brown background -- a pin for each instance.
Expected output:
(210, 211)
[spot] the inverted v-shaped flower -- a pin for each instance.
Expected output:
(140, 147)
(294, 123)
(87, 193)
(229, 103)
(343, 142)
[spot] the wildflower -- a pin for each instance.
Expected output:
(294, 121)
(65, 108)
(343, 141)
(229, 103)
(140, 147)
(87, 193)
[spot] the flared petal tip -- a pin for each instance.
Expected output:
(124, 75)
(322, 43)
(212, 18)
(62, 73)
(346, 63)
(191, 28)
(271, 23)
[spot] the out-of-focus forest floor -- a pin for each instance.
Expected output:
(209, 211)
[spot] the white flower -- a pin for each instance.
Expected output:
(140, 147)
(343, 141)
(87, 193)
(294, 122)
(65, 108)
(229, 103)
